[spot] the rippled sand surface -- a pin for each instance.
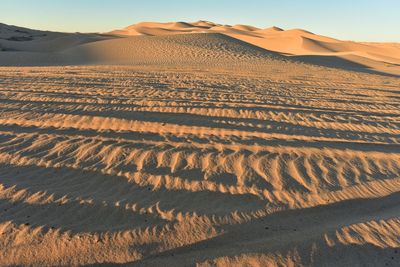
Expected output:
(170, 166)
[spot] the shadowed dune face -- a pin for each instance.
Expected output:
(259, 164)
(17, 39)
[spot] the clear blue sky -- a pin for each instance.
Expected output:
(366, 20)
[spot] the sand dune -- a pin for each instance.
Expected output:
(296, 42)
(25, 47)
(187, 49)
(31, 47)
(199, 147)
(157, 28)
(384, 58)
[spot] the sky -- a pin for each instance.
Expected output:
(361, 20)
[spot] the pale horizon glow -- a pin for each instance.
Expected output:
(359, 20)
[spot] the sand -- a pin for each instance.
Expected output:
(161, 43)
(197, 148)
(300, 44)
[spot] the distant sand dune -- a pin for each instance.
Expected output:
(297, 42)
(71, 49)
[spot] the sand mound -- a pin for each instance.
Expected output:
(177, 49)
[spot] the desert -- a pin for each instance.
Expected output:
(198, 144)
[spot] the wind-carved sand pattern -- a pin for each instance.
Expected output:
(147, 166)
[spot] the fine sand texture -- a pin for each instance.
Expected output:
(195, 148)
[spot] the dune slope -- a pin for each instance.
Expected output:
(187, 49)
